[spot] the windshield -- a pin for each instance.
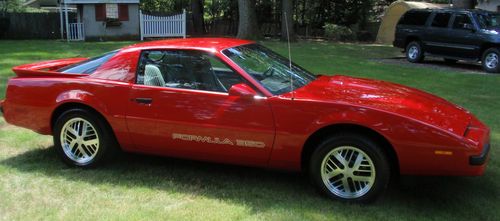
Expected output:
(489, 20)
(88, 66)
(270, 69)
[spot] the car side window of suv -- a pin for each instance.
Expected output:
(417, 18)
(441, 20)
(462, 21)
(188, 69)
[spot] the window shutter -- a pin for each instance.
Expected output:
(123, 12)
(100, 12)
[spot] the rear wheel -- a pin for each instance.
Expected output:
(414, 52)
(490, 60)
(83, 139)
(350, 167)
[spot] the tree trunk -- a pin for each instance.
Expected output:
(247, 27)
(467, 4)
(287, 20)
(197, 14)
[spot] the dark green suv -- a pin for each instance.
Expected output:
(453, 34)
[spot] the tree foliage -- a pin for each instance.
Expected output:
(10, 6)
(304, 14)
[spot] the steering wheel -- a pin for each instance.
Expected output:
(269, 72)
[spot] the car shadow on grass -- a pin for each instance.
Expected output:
(263, 190)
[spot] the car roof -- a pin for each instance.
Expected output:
(480, 11)
(208, 44)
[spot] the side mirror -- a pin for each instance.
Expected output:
(242, 90)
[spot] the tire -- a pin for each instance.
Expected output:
(490, 60)
(414, 52)
(450, 61)
(100, 144)
(374, 167)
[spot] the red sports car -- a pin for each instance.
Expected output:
(234, 101)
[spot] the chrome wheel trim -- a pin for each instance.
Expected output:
(413, 52)
(79, 140)
(491, 60)
(348, 172)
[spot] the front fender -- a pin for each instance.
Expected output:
(414, 142)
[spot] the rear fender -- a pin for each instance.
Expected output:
(81, 97)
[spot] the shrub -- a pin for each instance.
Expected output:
(365, 36)
(338, 33)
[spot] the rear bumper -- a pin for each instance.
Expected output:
(479, 160)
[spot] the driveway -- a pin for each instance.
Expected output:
(436, 63)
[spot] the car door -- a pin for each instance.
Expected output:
(180, 107)
(435, 39)
(462, 36)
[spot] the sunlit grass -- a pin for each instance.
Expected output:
(35, 185)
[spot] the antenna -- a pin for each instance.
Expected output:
(289, 56)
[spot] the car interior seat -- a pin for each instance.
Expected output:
(153, 76)
(202, 70)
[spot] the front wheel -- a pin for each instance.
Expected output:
(414, 52)
(490, 60)
(350, 167)
(82, 139)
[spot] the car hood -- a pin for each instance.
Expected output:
(491, 30)
(389, 97)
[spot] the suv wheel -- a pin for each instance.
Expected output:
(414, 52)
(490, 60)
(350, 167)
(81, 139)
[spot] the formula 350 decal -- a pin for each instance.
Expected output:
(218, 140)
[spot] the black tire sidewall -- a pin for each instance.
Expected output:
(105, 137)
(483, 59)
(377, 156)
(420, 55)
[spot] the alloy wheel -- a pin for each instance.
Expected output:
(413, 52)
(80, 141)
(348, 172)
(491, 60)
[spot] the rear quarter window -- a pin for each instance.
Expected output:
(88, 66)
(417, 18)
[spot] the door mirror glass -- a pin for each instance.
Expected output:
(242, 90)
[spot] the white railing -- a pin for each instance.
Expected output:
(76, 32)
(153, 26)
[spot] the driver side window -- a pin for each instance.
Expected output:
(186, 69)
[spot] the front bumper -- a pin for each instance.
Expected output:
(479, 160)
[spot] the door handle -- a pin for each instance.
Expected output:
(143, 100)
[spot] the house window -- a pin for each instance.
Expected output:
(112, 11)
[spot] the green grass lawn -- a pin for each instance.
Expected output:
(34, 184)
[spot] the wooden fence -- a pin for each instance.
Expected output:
(33, 26)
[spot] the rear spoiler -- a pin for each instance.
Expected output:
(46, 68)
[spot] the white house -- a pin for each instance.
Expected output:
(490, 5)
(102, 19)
